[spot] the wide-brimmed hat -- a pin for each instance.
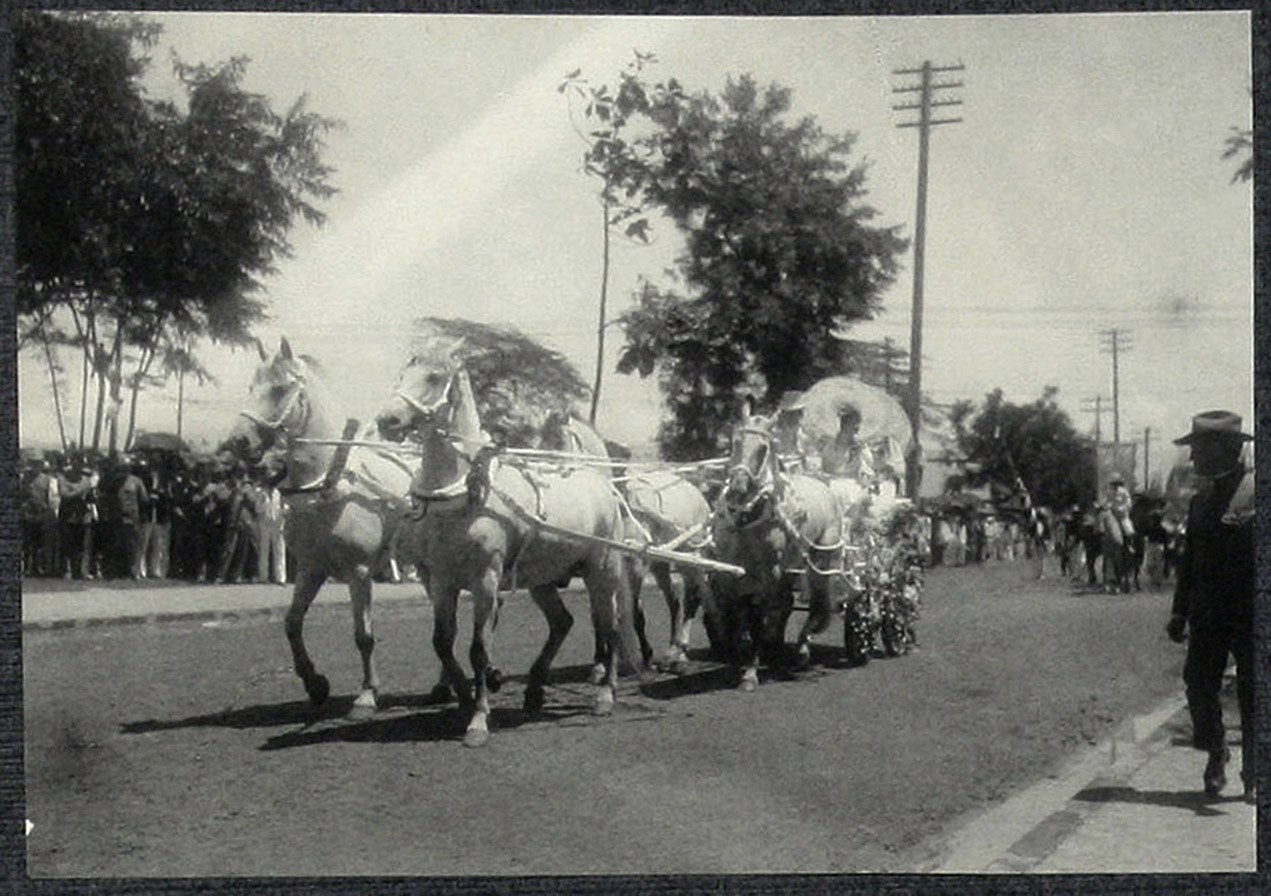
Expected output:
(1215, 423)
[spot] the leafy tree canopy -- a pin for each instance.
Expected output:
(148, 225)
(516, 381)
(1035, 440)
(779, 251)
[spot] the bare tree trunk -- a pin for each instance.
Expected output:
(143, 368)
(83, 382)
(83, 396)
(180, 398)
(99, 374)
(57, 396)
(600, 327)
(116, 386)
(100, 366)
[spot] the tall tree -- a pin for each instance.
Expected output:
(1037, 441)
(144, 227)
(609, 111)
(780, 254)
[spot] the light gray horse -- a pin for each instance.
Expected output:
(665, 508)
(342, 506)
(486, 525)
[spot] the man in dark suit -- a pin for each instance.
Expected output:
(1214, 594)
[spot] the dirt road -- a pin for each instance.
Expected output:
(188, 749)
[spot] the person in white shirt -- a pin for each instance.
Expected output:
(271, 541)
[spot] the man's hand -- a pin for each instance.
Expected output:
(1176, 629)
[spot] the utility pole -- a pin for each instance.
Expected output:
(1095, 406)
(925, 88)
(1115, 341)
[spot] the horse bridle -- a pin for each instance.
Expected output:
(765, 489)
(278, 426)
(768, 441)
(427, 413)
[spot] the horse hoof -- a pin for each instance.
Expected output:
(597, 674)
(360, 712)
(319, 689)
(494, 680)
(747, 685)
(476, 737)
(679, 667)
(534, 698)
(603, 706)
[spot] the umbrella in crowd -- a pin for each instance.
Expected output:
(160, 441)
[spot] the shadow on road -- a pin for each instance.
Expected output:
(1194, 800)
(440, 724)
(272, 715)
(401, 718)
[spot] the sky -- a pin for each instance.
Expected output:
(1084, 190)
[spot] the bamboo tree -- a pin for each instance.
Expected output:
(83, 382)
(53, 370)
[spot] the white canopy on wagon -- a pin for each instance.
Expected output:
(884, 425)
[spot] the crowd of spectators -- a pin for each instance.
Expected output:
(162, 516)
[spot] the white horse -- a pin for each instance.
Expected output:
(665, 508)
(343, 505)
(486, 525)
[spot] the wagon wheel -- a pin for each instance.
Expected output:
(897, 633)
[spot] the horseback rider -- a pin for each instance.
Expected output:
(1119, 502)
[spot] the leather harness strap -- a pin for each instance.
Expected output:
(341, 458)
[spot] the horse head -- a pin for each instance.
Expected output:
(278, 406)
(433, 401)
(752, 462)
